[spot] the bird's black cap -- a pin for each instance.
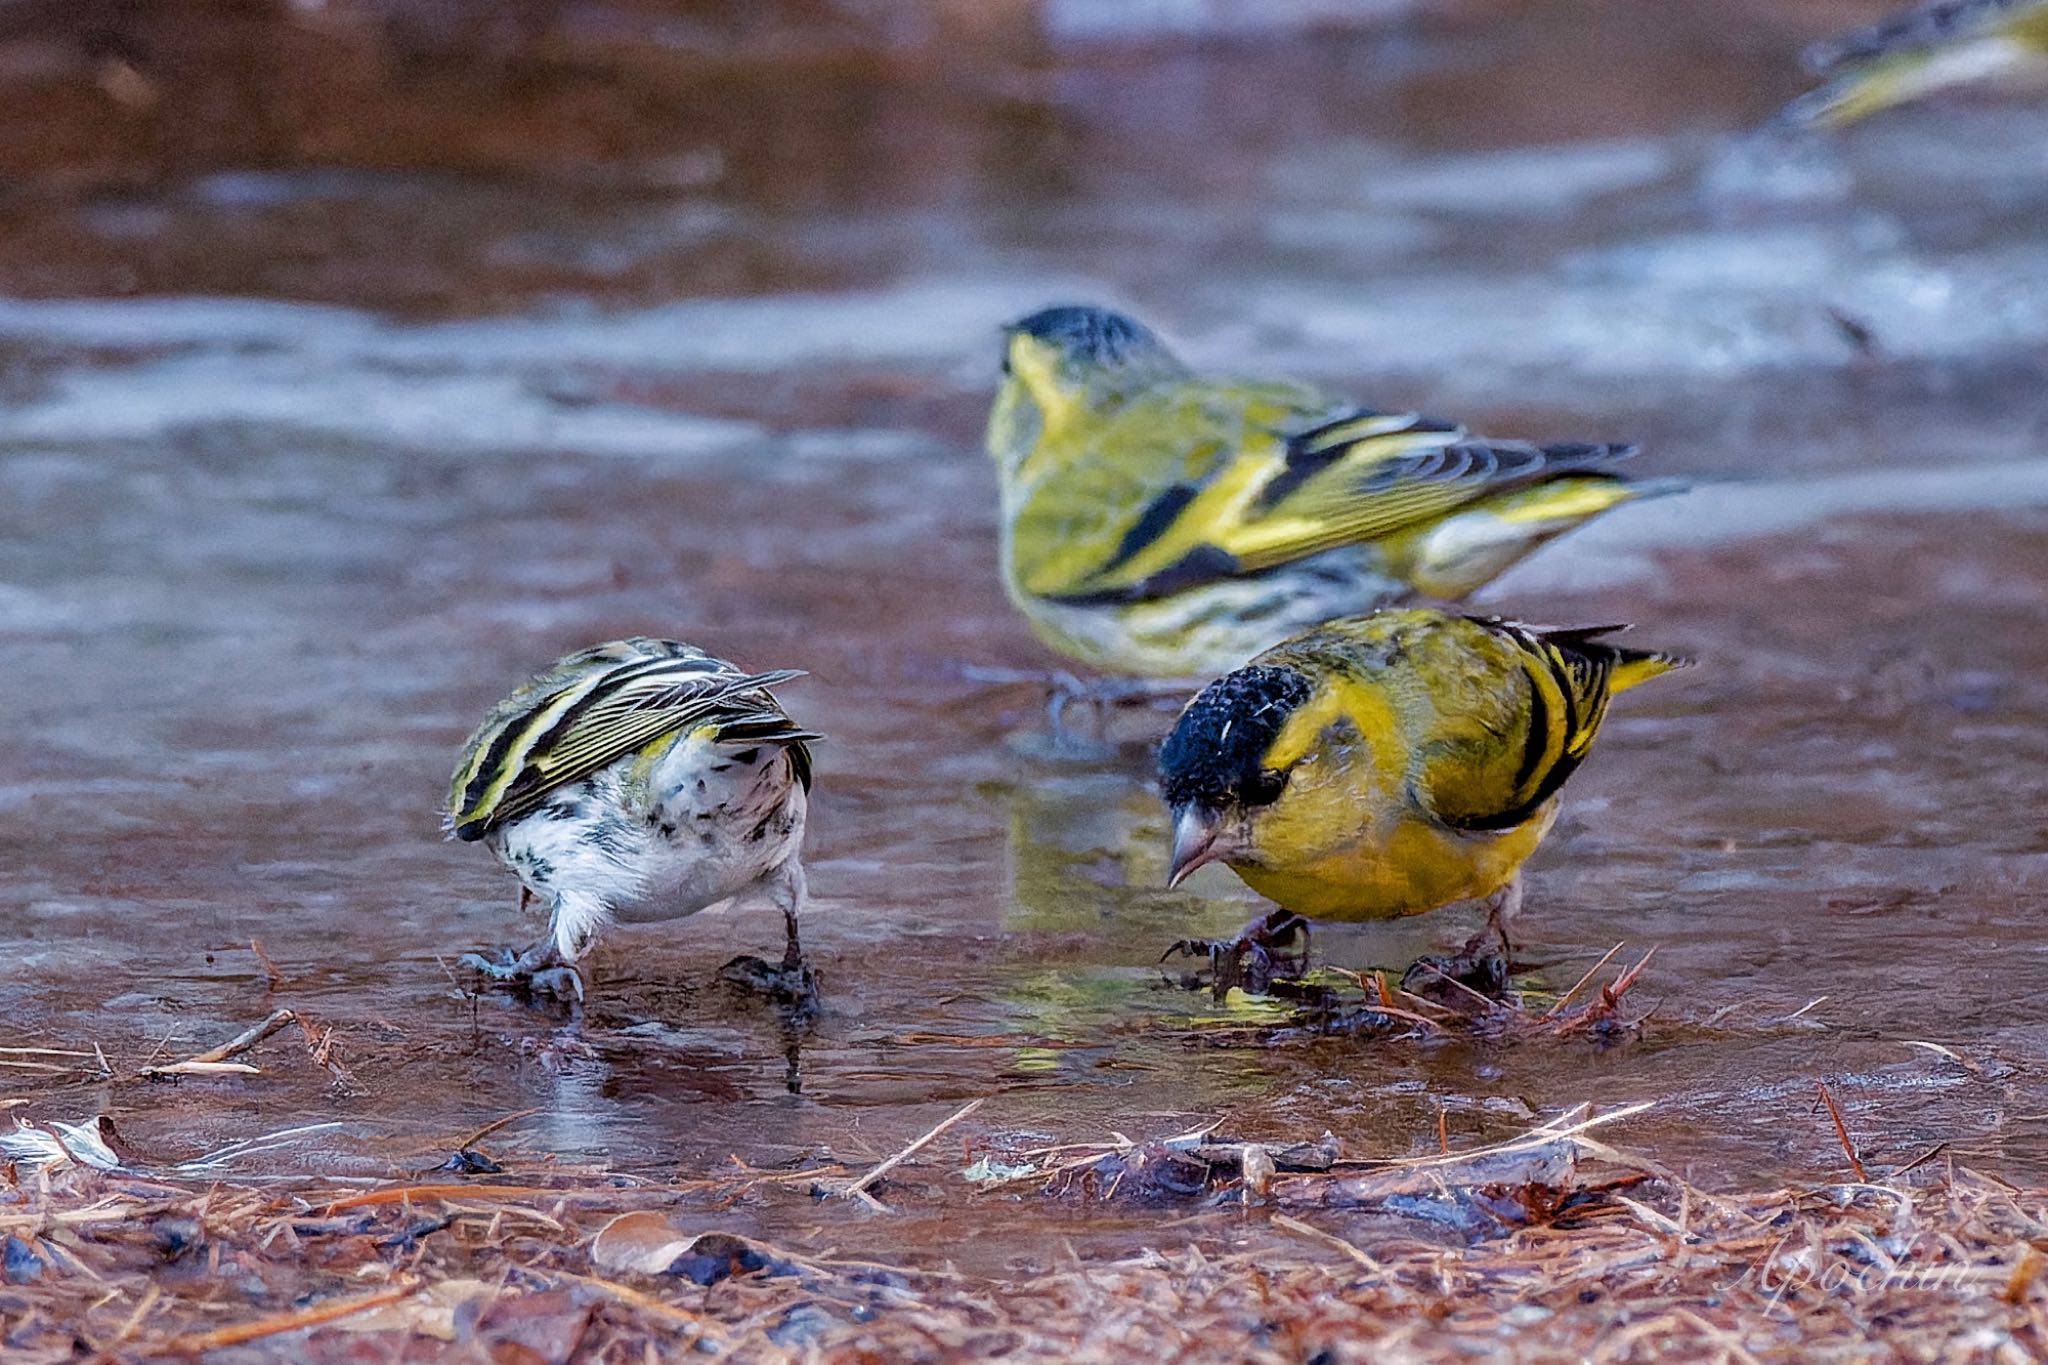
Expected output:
(1083, 332)
(1216, 755)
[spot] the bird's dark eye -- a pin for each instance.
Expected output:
(1263, 788)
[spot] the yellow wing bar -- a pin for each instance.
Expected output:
(1361, 477)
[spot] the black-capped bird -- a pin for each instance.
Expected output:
(639, 780)
(1998, 45)
(1387, 765)
(1163, 524)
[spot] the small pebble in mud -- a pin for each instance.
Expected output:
(802, 1324)
(21, 1262)
(717, 1256)
(467, 1162)
(176, 1236)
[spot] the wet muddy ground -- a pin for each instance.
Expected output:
(302, 467)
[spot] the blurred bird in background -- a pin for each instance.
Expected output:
(639, 780)
(1949, 44)
(1385, 766)
(1162, 524)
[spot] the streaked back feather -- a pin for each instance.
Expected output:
(1484, 719)
(598, 705)
(1571, 673)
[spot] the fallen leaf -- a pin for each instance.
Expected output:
(642, 1243)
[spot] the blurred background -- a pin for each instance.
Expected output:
(359, 356)
(437, 156)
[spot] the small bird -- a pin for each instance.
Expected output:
(1389, 765)
(639, 780)
(1942, 45)
(1161, 524)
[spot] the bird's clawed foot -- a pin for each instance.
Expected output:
(540, 970)
(791, 986)
(1261, 954)
(1455, 979)
(1480, 970)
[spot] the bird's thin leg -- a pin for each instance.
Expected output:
(1473, 970)
(792, 946)
(1502, 917)
(792, 986)
(1256, 958)
(1501, 908)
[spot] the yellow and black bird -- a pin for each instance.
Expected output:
(640, 780)
(1999, 45)
(1163, 524)
(1388, 765)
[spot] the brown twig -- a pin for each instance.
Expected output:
(320, 1046)
(1841, 1130)
(860, 1186)
(646, 1303)
(1580, 984)
(150, 1295)
(1921, 1160)
(395, 1194)
(1488, 1001)
(1328, 1239)
(283, 1322)
(493, 1126)
(211, 1059)
(1624, 983)
(273, 978)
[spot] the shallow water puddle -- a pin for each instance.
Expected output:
(262, 565)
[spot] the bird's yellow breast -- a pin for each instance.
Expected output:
(1348, 839)
(1392, 867)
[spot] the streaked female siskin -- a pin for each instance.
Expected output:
(634, 781)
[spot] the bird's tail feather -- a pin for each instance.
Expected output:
(1633, 666)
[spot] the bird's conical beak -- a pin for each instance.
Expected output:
(1194, 842)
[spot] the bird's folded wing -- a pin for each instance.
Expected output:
(1277, 497)
(1536, 702)
(593, 722)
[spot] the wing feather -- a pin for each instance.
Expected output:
(1277, 496)
(1389, 483)
(592, 710)
(1560, 681)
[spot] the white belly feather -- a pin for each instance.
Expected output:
(641, 841)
